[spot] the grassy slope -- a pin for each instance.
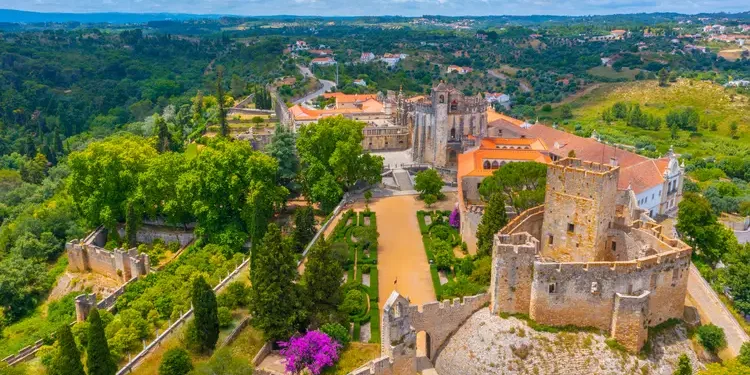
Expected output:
(608, 72)
(715, 104)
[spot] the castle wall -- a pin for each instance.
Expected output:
(148, 234)
(117, 264)
(580, 196)
(529, 221)
(470, 188)
(629, 323)
(583, 294)
(512, 271)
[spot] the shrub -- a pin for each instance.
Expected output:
(430, 199)
(711, 337)
(337, 332)
(175, 362)
(460, 287)
(466, 266)
(225, 317)
(365, 268)
(443, 254)
(482, 269)
(354, 303)
(744, 356)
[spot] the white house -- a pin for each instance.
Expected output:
(360, 82)
(323, 61)
(367, 57)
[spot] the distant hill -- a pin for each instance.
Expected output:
(20, 16)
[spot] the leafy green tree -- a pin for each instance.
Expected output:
(176, 361)
(282, 148)
(522, 184)
(275, 298)
(327, 192)
(744, 357)
(237, 86)
(443, 254)
(304, 227)
(683, 366)
(368, 196)
(494, 219)
(337, 332)
(224, 363)
(68, 358)
(663, 77)
(98, 358)
(730, 367)
(105, 174)
(331, 151)
(566, 111)
(429, 200)
(712, 337)
(322, 282)
(131, 225)
(34, 170)
(700, 229)
(428, 182)
(206, 315)
(737, 276)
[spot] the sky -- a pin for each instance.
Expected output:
(380, 7)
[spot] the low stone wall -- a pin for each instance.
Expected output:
(149, 233)
(264, 351)
(235, 332)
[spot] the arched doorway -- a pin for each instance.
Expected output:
(453, 134)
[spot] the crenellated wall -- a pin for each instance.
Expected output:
(400, 324)
(512, 272)
(117, 264)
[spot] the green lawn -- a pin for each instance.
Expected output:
(356, 355)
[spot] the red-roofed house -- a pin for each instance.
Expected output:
(367, 57)
(657, 183)
(323, 61)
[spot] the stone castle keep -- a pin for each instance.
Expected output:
(589, 257)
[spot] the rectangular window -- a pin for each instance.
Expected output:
(550, 238)
(552, 288)
(571, 227)
(614, 246)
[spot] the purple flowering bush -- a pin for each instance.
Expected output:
(313, 351)
(455, 219)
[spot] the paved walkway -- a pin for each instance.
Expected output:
(712, 309)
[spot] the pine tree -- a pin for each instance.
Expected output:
(663, 77)
(304, 227)
(68, 358)
(206, 315)
(493, 220)
(98, 358)
(224, 126)
(131, 225)
(275, 302)
(322, 281)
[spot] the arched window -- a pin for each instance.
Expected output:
(442, 99)
(495, 165)
(453, 133)
(486, 164)
(454, 106)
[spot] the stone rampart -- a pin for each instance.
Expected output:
(512, 272)
(117, 264)
(529, 221)
(629, 320)
(400, 324)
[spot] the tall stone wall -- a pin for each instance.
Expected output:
(512, 272)
(579, 208)
(529, 221)
(117, 264)
(629, 321)
(583, 294)
(149, 233)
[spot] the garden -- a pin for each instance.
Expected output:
(447, 254)
(356, 238)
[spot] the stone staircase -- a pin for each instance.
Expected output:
(403, 180)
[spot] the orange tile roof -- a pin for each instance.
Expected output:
(495, 116)
(471, 163)
(349, 98)
(301, 113)
(636, 171)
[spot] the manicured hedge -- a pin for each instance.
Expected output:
(373, 285)
(436, 282)
(374, 325)
(355, 332)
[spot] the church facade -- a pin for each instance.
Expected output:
(443, 124)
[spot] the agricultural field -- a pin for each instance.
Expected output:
(714, 103)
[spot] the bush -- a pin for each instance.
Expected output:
(481, 273)
(225, 317)
(175, 362)
(744, 356)
(711, 337)
(337, 332)
(443, 255)
(365, 268)
(354, 303)
(460, 287)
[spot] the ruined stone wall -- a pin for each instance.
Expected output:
(512, 271)
(623, 246)
(148, 233)
(579, 207)
(529, 221)
(400, 324)
(583, 294)
(118, 264)
(629, 321)
(470, 188)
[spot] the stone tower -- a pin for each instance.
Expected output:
(579, 209)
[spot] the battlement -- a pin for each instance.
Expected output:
(587, 167)
(534, 214)
(118, 264)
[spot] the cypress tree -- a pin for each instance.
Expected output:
(163, 135)
(322, 281)
(68, 358)
(206, 315)
(99, 360)
(274, 296)
(493, 220)
(304, 227)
